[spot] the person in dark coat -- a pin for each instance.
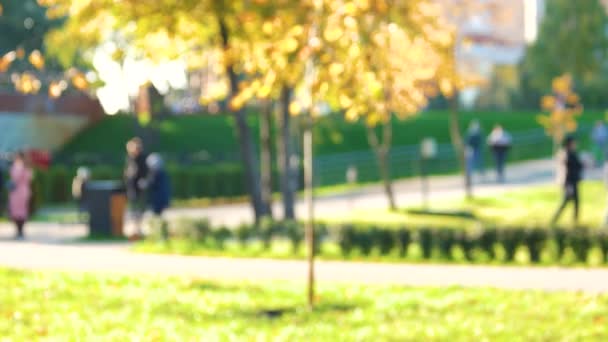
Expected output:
(570, 171)
(159, 190)
(136, 173)
(475, 148)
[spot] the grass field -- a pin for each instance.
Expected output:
(77, 307)
(532, 207)
(215, 134)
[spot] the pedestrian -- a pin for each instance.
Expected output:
(136, 172)
(83, 176)
(599, 136)
(500, 143)
(570, 171)
(474, 148)
(159, 190)
(20, 193)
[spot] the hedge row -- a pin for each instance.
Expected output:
(219, 181)
(436, 244)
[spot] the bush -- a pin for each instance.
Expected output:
(244, 233)
(510, 239)
(467, 242)
(366, 239)
(580, 242)
(346, 239)
(295, 234)
(384, 239)
(403, 239)
(487, 240)
(445, 239)
(266, 230)
(535, 240)
(425, 239)
(220, 236)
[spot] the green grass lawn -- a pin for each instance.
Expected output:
(532, 207)
(76, 307)
(215, 134)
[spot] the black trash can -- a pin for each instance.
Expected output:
(106, 203)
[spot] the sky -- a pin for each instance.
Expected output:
(123, 81)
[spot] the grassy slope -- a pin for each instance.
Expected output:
(216, 134)
(532, 207)
(116, 308)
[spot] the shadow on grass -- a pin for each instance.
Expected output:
(465, 214)
(322, 308)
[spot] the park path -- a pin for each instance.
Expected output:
(407, 193)
(51, 247)
(116, 258)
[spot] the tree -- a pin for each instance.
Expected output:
(572, 39)
(168, 29)
(383, 56)
(452, 77)
(564, 108)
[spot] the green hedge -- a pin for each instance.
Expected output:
(53, 186)
(500, 245)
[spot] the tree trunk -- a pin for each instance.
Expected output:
(310, 216)
(244, 135)
(458, 144)
(381, 150)
(285, 151)
(266, 155)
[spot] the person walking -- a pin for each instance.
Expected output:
(159, 190)
(570, 169)
(599, 136)
(475, 148)
(20, 193)
(500, 143)
(136, 172)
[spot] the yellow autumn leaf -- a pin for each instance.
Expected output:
(333, 33)
(79, 81)
(295, 108)
(37, 60)
(548, 102)
(55, 90)
(289, 45)
(351, 114)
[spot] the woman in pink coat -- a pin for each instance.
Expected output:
(20, 193)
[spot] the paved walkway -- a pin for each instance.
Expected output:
(116, 258)
(407, 193)
(49, 248)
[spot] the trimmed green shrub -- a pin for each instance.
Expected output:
(487, 241)
(403, 239)
(444, 240)
(346, 238)
(384, 239)
(266, 231)
(425, 240)
(220, 236)
(560, 237)
(511, 239)
(244, 233)
(535, 240)
(467, 242)
(364, 239)
(602, 240)
(295, 234)
(580, 242)
(433, 242)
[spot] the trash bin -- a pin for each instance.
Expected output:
(106, 202)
